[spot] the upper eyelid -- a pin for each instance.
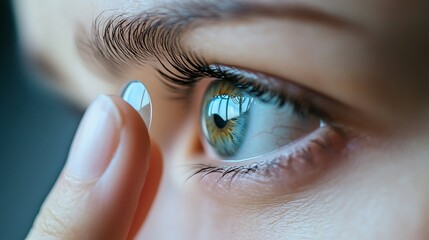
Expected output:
(118, 41)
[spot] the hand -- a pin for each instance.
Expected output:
(101, 192)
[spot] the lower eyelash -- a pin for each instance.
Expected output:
(288, 162)
(231, 172)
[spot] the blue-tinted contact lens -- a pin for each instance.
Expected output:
(136, 94)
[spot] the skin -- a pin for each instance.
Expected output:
(379, 73)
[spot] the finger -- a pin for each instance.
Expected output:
(98, 192)
(149, 191)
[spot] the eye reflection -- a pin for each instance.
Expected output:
(224, 108)
(238, 126)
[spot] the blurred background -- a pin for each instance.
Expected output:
(36, 129)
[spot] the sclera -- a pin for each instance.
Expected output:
(136, 94)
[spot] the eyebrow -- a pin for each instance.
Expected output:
(117, 42)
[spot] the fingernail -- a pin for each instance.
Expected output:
(96, 140)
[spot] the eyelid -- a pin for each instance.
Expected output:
(122, 40)
(323, 106)
(181, 74)
(187, 71)
(327, 108)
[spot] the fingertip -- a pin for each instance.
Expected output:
(96, 140)
(129, 165)
(131, 158)
(120, 186)
(97, 194)
(133, 119)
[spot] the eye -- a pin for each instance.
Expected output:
(260, 131)
(237, 125)
(257, 129)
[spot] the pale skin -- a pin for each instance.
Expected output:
(376, 67)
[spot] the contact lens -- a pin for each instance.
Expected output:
(136, 94)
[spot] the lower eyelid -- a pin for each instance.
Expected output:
(284, 171)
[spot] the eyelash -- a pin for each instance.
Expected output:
(193, 69)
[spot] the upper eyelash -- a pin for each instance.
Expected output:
(192, 70)
(267, 93)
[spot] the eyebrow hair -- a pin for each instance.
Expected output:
(119, 41)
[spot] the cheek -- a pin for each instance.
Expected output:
(382, 195)
(383, 191)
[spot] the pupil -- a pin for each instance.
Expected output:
(218, 120)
